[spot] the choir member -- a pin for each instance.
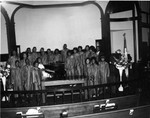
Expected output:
(43, 56)
(87, 52)
(93, 52)
(29, 54)
(22, 61)
(37, 76)
(64, 53)
(34, 55)
(87, 71)
(85, 55)
(94, 75)
(57, 56)
(16, 76)
(42, 68)
(69, 65)
(104, 70)
(87, 74)
(76, 57)
(27, 75)
(82, 60)
(94, 72)
(50, 56)
(12, 59)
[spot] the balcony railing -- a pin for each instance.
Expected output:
(62, 95)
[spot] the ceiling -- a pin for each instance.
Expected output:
(46, 2)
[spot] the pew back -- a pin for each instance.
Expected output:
(75, 109)
(134, 112)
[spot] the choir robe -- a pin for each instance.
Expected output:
(94, 75)
(64, 55)
(27, 77)
(77, 70)
(37, 77)
(81, 62)
(50, 58)
(93, 54)
(16, 78)
(85, 56)
(30, 57)
(12, 61)
(44, 59)
(22, 63)
(104, 72)
(69, 67)
(87, 74)
(57, 58)
(34, 56)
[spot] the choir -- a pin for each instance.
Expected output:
(27, 72)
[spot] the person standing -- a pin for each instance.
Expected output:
(43, 56)
(34, 55)
(23, 62)
(82, 60)
(37, 77)
(77, 70)
(64, 53)
(27, 76)
(104, 70)
(69, 65)
(50, 57)
(12, 59)
(16, 77)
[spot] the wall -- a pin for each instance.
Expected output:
(52, 27)
(3, 41)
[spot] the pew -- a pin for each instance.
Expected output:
(134, 112)
(75, 109)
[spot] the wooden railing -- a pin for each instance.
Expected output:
(68, 94)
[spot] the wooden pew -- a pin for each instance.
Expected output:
(134, 112)
(74, 109)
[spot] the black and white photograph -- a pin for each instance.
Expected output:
(74, 59)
